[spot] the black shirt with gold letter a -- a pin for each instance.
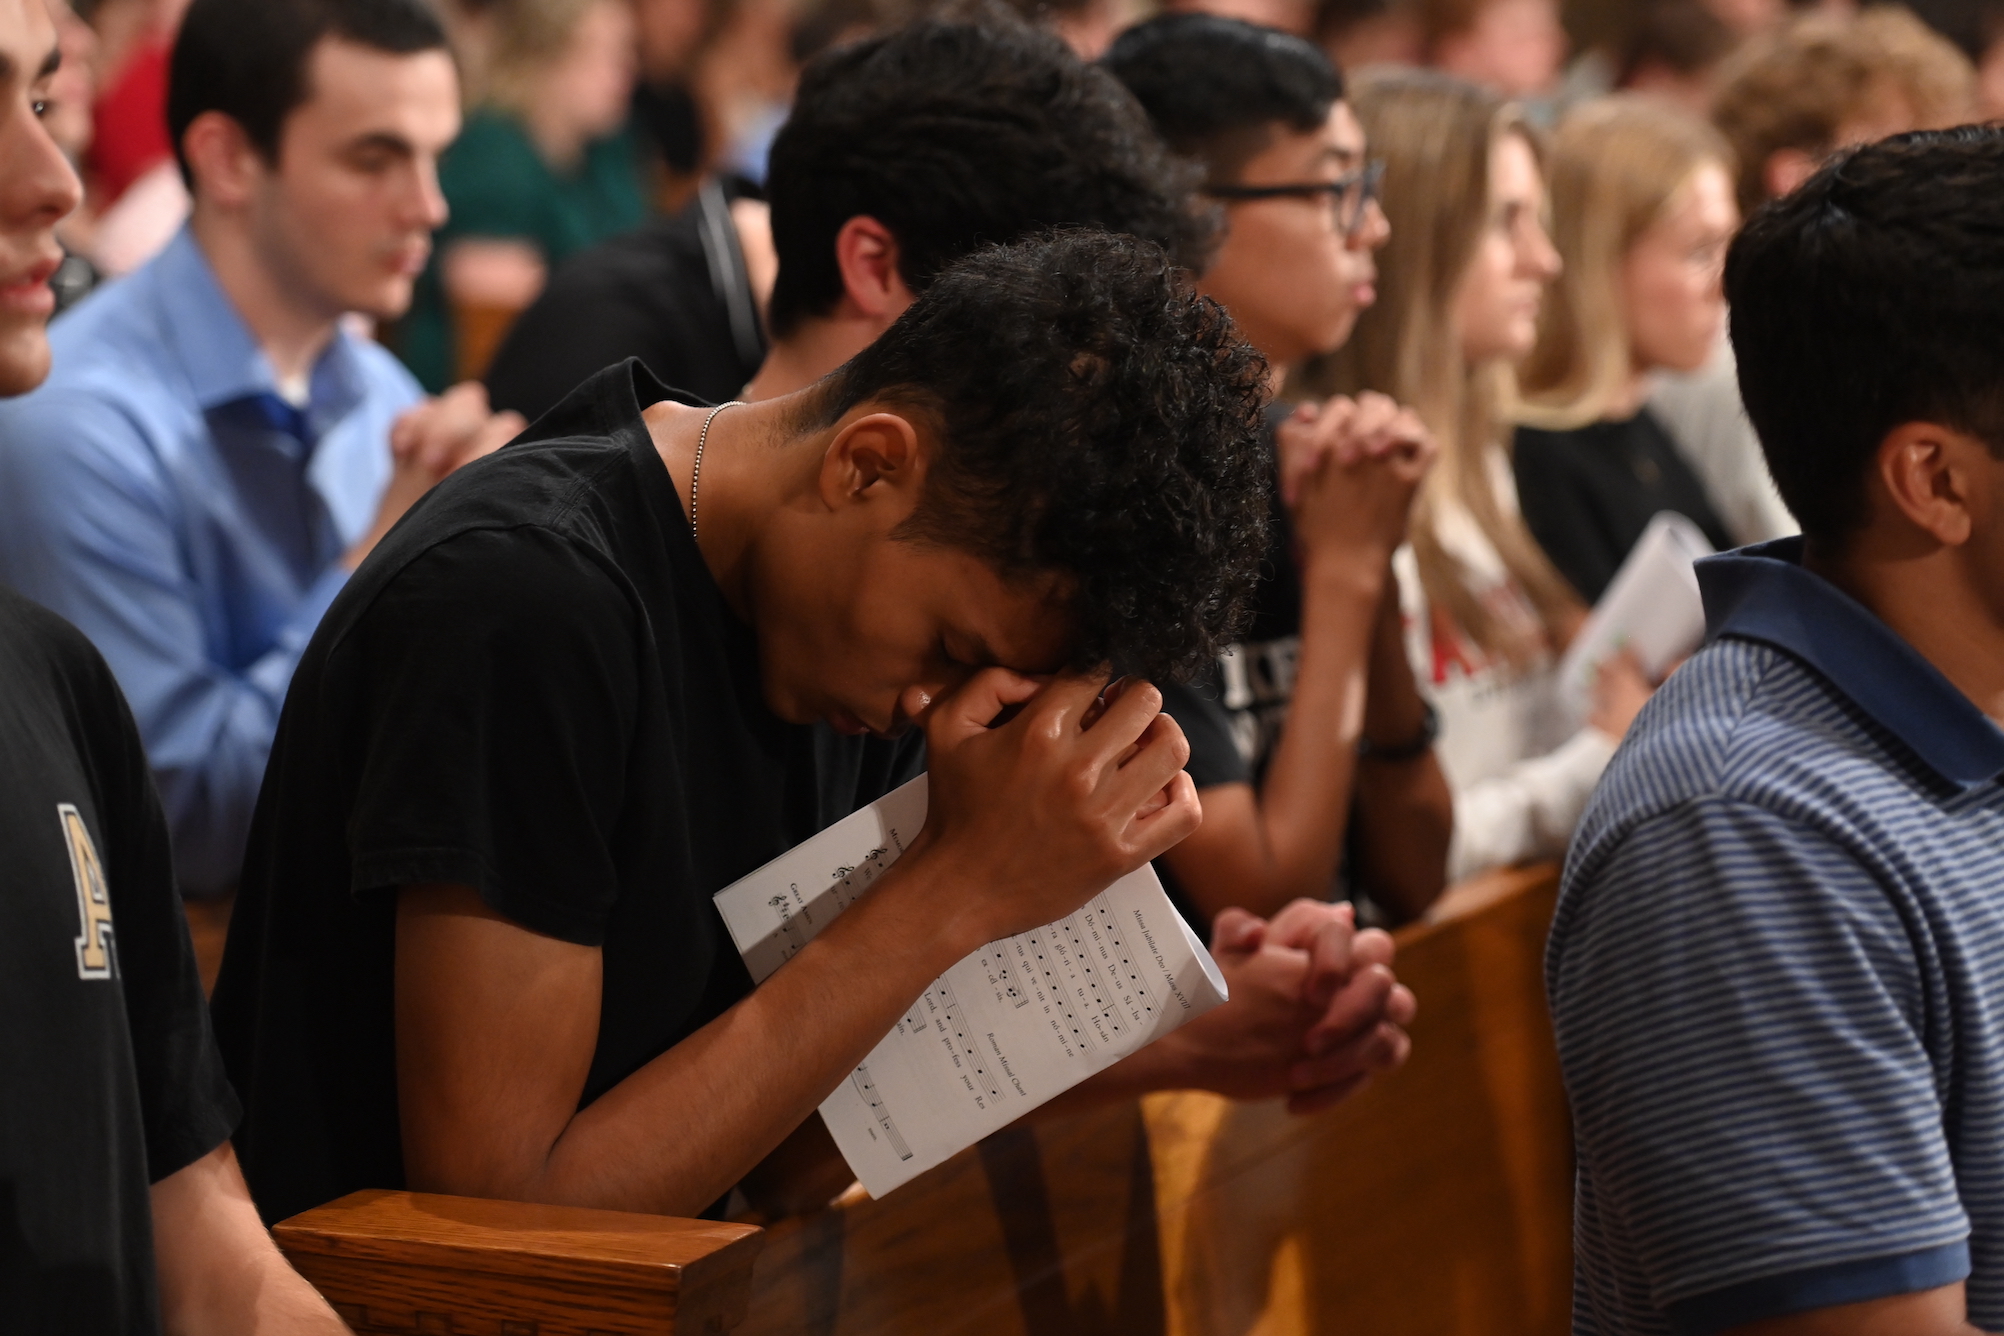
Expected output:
(109, 1077)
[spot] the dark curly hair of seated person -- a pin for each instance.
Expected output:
(1097, 419)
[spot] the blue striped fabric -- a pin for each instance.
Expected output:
(1777, 976)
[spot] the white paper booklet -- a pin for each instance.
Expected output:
(1014, 1024)
(1652, 607)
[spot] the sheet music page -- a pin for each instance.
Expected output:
(1018, 1022)
(1652, 606)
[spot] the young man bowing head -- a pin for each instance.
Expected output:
(627, 660)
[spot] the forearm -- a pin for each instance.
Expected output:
(681, 1131)
(1304, 799)
(218, 1269)
(1404, 810)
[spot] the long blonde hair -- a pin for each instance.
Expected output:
(1615, 166)
(1436, 135)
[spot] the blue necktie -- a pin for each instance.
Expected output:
(280, 416)
(275, 484)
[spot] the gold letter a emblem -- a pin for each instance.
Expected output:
(93, 899)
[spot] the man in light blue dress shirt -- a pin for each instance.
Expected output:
(217, 448)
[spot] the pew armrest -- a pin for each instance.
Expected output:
(398, 1262)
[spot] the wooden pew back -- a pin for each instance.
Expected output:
(1437, 1203)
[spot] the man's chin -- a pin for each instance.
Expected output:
(24, 356)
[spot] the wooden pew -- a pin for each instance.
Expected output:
(1437, 1202)
(403, 1263)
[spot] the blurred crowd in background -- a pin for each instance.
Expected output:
(586, 116)
(1524, 249)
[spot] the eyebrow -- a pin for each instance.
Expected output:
(381, 139)
(50, 64)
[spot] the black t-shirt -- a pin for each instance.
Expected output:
(673, 293)
(1233, 712)
(533, 687)
(109, 1077)
(1587, 494)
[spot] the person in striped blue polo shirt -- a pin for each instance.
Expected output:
(1777, 968)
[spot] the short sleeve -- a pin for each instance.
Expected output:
(501, 680)
(185, 1099)
(1740, 1015)
(1214, 755)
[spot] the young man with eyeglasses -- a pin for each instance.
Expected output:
(1277, 730)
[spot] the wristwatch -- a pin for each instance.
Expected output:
(1420, 744)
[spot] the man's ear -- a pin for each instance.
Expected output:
(1786, 168)
(867, 253)
(225, 164)
(1938, 478)
(874, 459)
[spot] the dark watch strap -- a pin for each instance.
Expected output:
(1421, 743)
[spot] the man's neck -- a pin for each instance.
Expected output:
(1925, 595)
(812, 349)
(289, 328)
(748, 474)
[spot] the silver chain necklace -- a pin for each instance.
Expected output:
(696, 478)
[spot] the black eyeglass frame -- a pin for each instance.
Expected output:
(1364, 181)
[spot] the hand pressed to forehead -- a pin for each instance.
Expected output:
(1070, 794)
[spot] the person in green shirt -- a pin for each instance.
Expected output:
(546, 166)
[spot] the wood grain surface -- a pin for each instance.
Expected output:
(404, 1262)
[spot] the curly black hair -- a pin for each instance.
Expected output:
(1097, 419)
(956, 135)
(1871, 296)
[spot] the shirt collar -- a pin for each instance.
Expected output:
(1763, 593)
(218, 353)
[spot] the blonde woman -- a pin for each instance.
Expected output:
(1461, 283)
(1642, 197)
(544, 168)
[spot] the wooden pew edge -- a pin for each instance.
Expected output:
(703, 1268)
(1479, 894)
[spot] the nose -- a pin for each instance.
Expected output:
(1537, 257)
(1373, 229)
(429, 201)
(40, 187)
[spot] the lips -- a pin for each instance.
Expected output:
(28, 292)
